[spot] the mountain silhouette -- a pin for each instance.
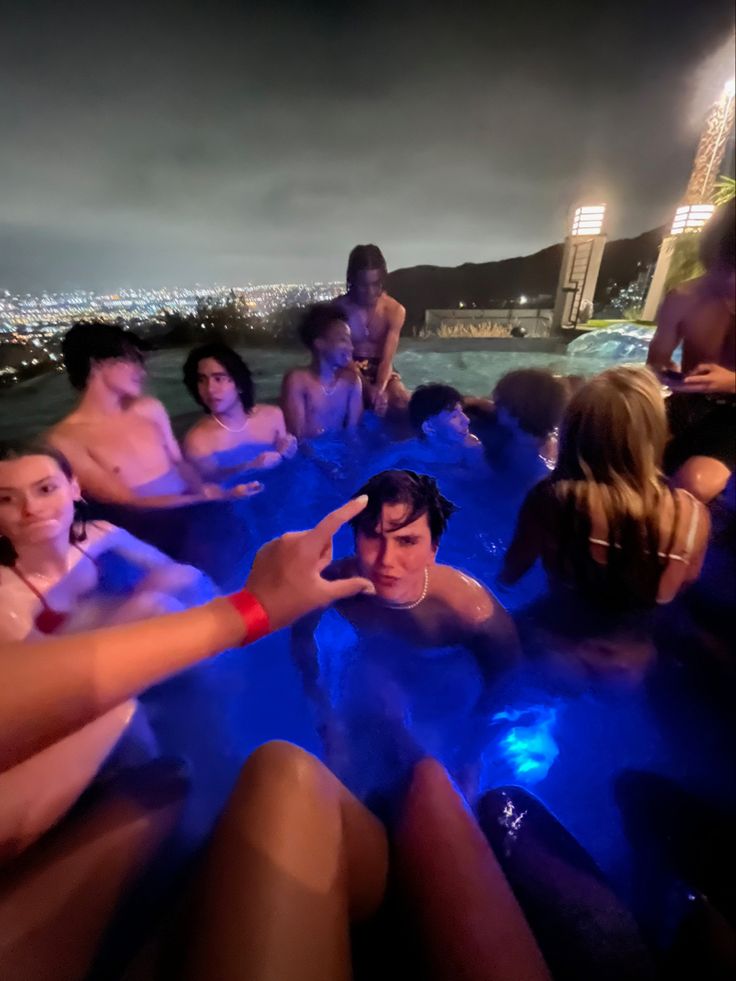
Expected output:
(491, 285)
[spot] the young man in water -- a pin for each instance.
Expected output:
(326, 396)
(432, 642)
(375, 320)
(443, 437)
(701, 315)
(235, 435)
(517, 427)
(118, 440)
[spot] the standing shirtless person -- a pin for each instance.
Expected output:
(701, 314)
(375, 320)
(119, 441)
(324, 397)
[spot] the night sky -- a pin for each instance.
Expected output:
(154, 143)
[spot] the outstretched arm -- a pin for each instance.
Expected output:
(396, 319)
(355, 405)
(50, 688)
(526, 545)
(305, 654)
(667, 335)
(293, 405)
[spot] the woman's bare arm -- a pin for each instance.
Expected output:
(51, 687)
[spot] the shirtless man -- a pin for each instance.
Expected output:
(701, 314)
(118, 440)
(235, 435)
(425, 618)
(443, 437)
(375, 320)
(326, 396)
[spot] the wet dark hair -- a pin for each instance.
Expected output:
(718, 238)
(95, 340)
(429, 400)
(534, 397)
(230, 361)
(317, 321)
(365, 257)
(418, 491)
(16, 450)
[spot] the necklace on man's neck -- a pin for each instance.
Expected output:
(221, 423)
(329, 389)
(410, 606)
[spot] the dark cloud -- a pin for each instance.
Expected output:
(161, 142)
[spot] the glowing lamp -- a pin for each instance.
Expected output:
(729, 89)
(588, 220)
(690, 218)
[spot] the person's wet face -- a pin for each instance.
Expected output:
(124, 375)
(336, 345)
(36, 500)
(367, 286)
(215, 386)
(393, 557)
(450, 426)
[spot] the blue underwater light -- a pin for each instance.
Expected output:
(529, 749)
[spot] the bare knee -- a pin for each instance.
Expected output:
(703, 476)
(282, 764)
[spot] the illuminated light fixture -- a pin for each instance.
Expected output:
(588, 220)
(691, 217)
(729, 88)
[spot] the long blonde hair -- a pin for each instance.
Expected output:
(612, 440)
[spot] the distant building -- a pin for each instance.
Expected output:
(468, 322)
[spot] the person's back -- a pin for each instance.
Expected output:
(605, 523)
(614, 538)
(596, 567)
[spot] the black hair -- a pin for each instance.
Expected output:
(317, 321)
(419, 492)
(230, 361)
(365, 257)
(16, 450)
(429, 400)
(534, 397)
(95, 340)
(718, 238)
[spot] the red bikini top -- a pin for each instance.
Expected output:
(48, 620)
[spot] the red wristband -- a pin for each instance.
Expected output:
(254, 617)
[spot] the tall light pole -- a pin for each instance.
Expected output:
(696, 207)
(581, 263)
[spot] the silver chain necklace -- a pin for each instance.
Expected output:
(410, 606)
(221, 423)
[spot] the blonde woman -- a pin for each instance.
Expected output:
(614, 538)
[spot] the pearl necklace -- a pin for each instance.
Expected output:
(222, 424)
(410, 606)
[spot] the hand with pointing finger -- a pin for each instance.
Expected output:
(286, 577)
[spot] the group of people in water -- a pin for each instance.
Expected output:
(607, 484)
